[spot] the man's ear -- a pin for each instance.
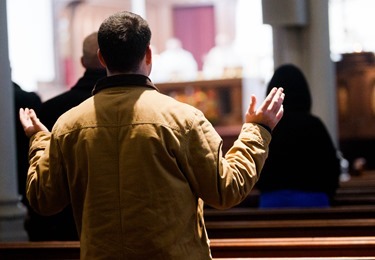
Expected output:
(101, 59)
(148, 55)
(83, 62)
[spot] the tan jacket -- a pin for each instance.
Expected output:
(134, 163)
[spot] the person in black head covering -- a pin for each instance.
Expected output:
(303, 168)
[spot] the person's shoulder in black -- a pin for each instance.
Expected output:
(25, 98)
(53, 108)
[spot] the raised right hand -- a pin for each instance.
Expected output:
(270, 111)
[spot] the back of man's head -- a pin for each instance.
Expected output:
(123, 41)
(90, 47)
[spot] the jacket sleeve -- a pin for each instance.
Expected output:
(224, 181)
(46, 186)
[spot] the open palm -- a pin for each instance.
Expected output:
(30, 122)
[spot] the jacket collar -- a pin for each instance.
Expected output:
(123, 80)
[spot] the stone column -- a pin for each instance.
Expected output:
(301, 36)
(12, 211)
(320, 70)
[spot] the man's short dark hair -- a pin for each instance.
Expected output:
(123, 40)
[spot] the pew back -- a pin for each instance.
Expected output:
(348, 248)
(343, 212)
(291, 228)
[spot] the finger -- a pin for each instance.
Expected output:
(280, 113)
(268, 99)
(279, 93)
(32, 112)
(279, 96)
(33, 117)
(252, 105)
(277, 100)
(23, 115)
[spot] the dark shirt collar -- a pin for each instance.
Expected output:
(95, 73)
(123, 80)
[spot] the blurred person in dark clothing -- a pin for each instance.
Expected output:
(62, 226)
(302, 169)
(53, 108)
(23, 98)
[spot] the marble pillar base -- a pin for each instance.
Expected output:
(12, 217)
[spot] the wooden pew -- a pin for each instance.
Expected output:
(359, 190)
(291, 228)
(39, 250)
(301, 258)
(344, 196)
(294, 247)
(353, 199)
(251, 248)
(241, 214)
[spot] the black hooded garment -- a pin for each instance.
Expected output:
(302, 155)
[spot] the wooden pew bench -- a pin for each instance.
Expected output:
(291, 228)
(240, 214)
(294, 247)
(359, 190)
(252, 248)
(39, 250)
(300, 258)
(353, 199)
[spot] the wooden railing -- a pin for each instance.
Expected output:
(244, 214)
(291, 228)
(294, 247)
(250, 248)
(39, 250)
